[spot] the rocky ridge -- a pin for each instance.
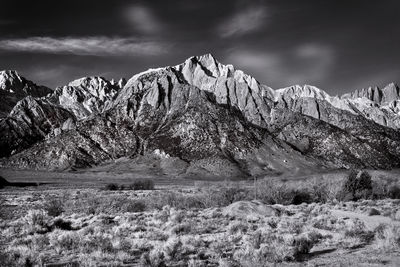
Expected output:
(34, 119)
(210, 116)
(13, 88)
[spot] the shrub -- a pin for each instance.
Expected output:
(182, 228)
(373, 212)
(271, 192)
(231, 194)
(3, 182)
(237, 227)
(154, 258)
(358, 230)
(63, 241)
(304, 243)
(322, 190)
(176, 200)
(394, 192)
(111, 187)
(273, 251)
(54, 207)
(135, 206)
(300, 197)
(3, 212)
(35, 221)
(358, 185)
(387, 237)
(142, 184)
(172, 248)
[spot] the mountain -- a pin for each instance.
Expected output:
(34, 119)
(383, 110)
(14, 88)
(207, 117)
(86, 96)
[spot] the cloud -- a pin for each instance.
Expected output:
(98, 46)
(142, 19)
(304, 64)
(243, 22)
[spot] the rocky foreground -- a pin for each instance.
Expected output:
(89, 227)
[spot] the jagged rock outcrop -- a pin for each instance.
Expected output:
(161, 112)
(229, 86)
(13, 88)
(371, 103)
(86, 96)
(34, 119)
(30, 121)
(386, 95)
(212, 116)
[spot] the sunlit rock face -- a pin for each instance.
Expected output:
(86, 96)
(13, 88)
(211, 117)
(35, 118)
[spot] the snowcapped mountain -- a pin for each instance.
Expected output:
(208, 116)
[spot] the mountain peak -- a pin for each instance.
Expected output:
(90, 80)
(9, 79)
(9, 73)
(298, 91)
(384, 96)
(391, 92)
(206, 58)
(14, 87)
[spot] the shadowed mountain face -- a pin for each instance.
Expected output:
(210, 117)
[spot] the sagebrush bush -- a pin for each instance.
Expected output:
(277, 192)
(394, 192)
(387, 237)
(181, 228)
(35, 221)
(358, 185)
(135, 206)
(63, 241)
(112, 187)
(142, 184)
(176, 200)
(54, 207)
(237, 227)
(302, 196)
(304, 243)
(3, 212)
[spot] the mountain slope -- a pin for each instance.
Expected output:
(14, 87)
(213, 118)
(33, 119)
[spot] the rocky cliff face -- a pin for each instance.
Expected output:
(86, 96)
(384, 96)
(208, 115)
(34, 119)
(14, 87)
(379, 106)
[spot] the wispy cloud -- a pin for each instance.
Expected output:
(308, 63)
(243, 22)
(142, 19)
(98, 46)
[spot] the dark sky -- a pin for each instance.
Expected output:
(336, 45)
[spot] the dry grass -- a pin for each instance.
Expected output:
(189, 227)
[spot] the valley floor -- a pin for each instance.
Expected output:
(199, 224)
